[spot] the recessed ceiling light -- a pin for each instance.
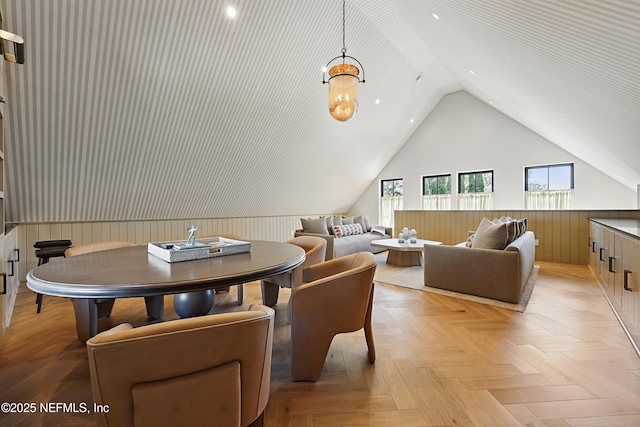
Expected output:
(411, 121)
(435, 16)
(231, 12)
(419, 77)
(377, 101)
(471, 72)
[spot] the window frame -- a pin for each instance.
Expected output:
(382, 181)
(442, 175)
(491, 171)
(555, 165)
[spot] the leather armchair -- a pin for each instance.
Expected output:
(211, 370)
(315, 250)
(337, 297)
(89, 310)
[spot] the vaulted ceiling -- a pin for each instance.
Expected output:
(142, 109)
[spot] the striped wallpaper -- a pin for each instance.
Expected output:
(130, 110)
(278, 228)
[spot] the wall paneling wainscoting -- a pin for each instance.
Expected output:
(275, 228)
(563, 236)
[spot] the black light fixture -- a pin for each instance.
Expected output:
(343, 79)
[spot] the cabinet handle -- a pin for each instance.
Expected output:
(12, 262)
(593, 246)
(589, 241)
(611, 270)
(601, 251)
(4, 284)
(17, 250)
(626, 280)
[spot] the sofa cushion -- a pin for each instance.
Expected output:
(317, 226)
(347, 230)
(491, 235)
(358, 243)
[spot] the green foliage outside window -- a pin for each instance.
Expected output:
(476, 182)
(392, 187)
(440, 184)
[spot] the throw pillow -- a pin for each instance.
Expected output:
(378, 229)
(512, 226)
(364, 222)
(523, 225)
(490, 235)
(337, 220)
(360, 220)
(469, 241)
(347, 230)
(330, 224)
(316, 226)
(347, 220)
(367, 226)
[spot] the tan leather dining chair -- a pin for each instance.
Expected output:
(315, 250)
(337, 297)
(89, 310)
(202, 371)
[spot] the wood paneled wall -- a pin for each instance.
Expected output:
(275, 228)
(562, 235)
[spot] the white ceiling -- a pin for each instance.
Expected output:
(169, 109)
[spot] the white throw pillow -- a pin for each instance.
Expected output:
(378, 229)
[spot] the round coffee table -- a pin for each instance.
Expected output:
(404, 254)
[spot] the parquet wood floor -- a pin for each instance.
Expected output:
(441, 361)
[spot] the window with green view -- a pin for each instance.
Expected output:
(475, 182)
(436, 185)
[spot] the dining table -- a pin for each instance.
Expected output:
(134, 272)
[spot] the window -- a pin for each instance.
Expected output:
(475, 190)
(549, 187)
(436, 192)
(391, 191)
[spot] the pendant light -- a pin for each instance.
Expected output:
(343, 79)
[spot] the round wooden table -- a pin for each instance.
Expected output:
(133, 272)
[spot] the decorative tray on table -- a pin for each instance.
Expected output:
(202, 248)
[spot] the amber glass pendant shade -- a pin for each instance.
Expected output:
(343, 91)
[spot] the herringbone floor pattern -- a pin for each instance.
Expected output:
(441, 361)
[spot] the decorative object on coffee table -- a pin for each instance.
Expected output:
(191, 241)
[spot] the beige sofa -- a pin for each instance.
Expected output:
(345, 245)
(489, 273)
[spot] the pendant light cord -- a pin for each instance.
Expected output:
(344, 47)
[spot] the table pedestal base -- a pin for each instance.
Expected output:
(89, 310)
(192, 304)
(404, 258)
